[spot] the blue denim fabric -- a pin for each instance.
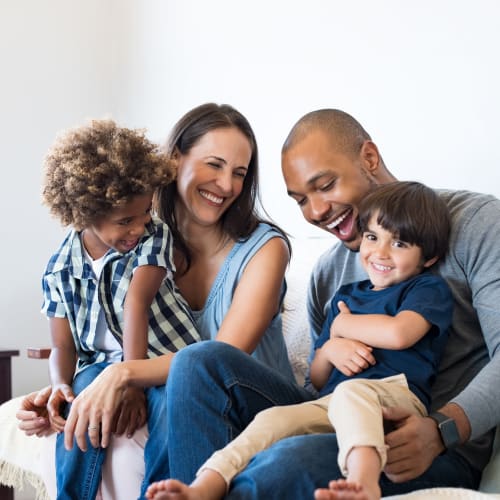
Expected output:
(78, 473)
(294, 467)
(155, 451)
(213, 391)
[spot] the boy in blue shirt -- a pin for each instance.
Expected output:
(108, 290)
(402, 312)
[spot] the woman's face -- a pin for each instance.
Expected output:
(210, 176)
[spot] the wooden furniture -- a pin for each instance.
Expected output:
(6, 394)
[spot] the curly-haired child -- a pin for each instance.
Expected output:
(108, 290)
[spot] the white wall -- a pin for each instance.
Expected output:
(421, 76)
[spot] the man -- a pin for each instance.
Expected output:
(329, 164)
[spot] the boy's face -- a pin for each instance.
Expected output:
(121, 229)
(329, 185)
(387, 259)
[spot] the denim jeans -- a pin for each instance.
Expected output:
(214, 391)
(78, 473)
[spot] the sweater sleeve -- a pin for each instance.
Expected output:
(478, 250)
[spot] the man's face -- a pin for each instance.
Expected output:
(328, 185)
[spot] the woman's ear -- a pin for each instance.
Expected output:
(430, 262)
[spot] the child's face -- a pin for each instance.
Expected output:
(121, 229)
(388, 260)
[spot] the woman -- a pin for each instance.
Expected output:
(230, 269)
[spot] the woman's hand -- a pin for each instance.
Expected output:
(32, 414)
(93, 410)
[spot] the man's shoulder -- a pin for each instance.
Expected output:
(465, 204)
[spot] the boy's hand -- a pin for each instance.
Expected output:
(61, 394)
(131, 414)
(32, 414)
(348, 356)
(343, 310)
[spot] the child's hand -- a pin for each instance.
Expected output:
(131, 414)
(61, 394)
(336, 323)
(349, 356)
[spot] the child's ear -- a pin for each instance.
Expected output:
(430, 262)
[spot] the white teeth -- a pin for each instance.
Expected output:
(380, 267)
(211, 197)
(338, 220)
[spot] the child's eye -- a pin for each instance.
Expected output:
(370, 237)
(400, 244)
(124, 222)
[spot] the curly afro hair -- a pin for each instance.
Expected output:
(94, 169)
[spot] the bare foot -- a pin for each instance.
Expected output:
(170, 489)
(347, 490)
(209, 485)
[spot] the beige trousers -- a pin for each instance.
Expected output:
(353, 411)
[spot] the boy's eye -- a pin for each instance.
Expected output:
(400, 244)
(370, 237)
(124, 222)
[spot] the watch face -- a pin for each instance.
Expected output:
(447, 428)
(449, 433)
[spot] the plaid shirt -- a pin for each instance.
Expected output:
(71, 290)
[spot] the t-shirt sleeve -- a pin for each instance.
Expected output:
(430, 297)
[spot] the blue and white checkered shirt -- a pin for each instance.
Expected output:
(71, 290)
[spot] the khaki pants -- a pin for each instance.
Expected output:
(353, 411)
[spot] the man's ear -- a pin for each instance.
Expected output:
(430, 262)
(370, 157)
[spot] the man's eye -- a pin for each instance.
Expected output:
(327, 186)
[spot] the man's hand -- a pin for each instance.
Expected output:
(413, 445)
(131, 413)
(32, 414)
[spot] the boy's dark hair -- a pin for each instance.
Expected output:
(93, 169)
(411, 211)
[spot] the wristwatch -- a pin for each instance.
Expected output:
(447, 429)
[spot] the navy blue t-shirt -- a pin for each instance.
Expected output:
(426, 294)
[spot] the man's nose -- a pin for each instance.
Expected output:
(318, 209)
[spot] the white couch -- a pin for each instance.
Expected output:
(20, 456)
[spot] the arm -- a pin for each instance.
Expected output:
(62, 362)
(143, 287)
(256, 299)
(380, 330)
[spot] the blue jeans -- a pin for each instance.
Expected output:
(214, 391)
(78, 473)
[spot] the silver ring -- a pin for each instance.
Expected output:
(92, 428)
